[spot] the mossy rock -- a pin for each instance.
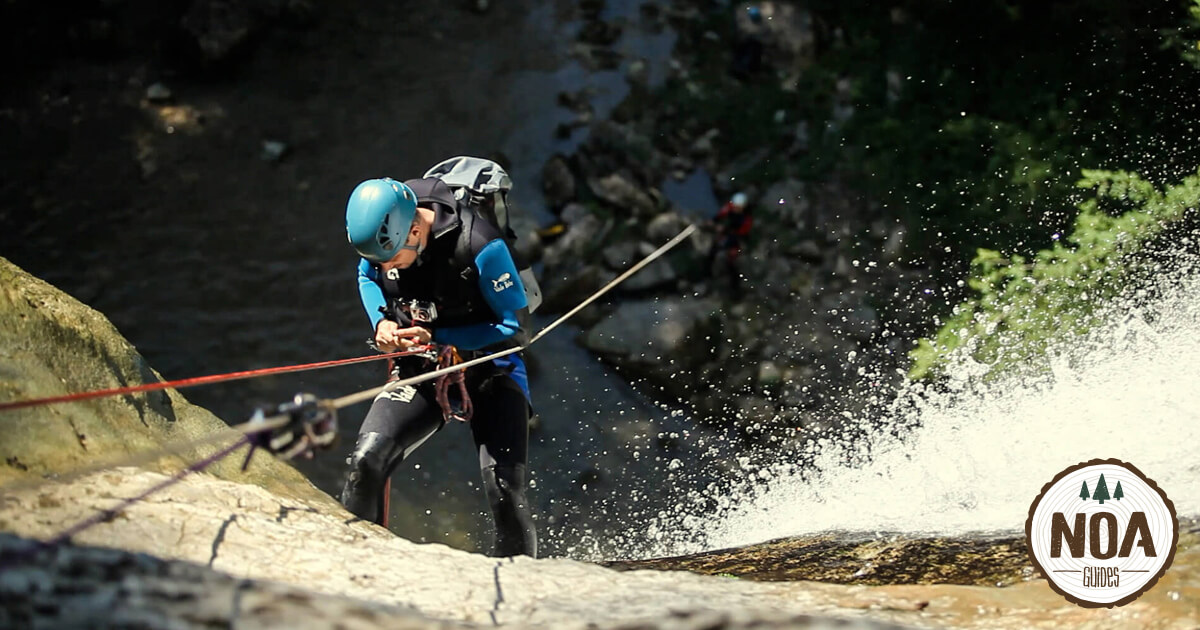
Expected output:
(978, 559)
(51, 345)
(856, 558)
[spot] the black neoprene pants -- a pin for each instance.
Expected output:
(401, 419)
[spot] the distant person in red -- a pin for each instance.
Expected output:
(732, 224)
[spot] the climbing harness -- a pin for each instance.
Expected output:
(306, 424)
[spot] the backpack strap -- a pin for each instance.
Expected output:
(464, 261)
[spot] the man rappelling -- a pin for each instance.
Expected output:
(436, 271)
(731, 226)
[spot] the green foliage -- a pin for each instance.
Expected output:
(1186, 37)
(1019, 306)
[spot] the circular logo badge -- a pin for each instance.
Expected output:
(1102, 533)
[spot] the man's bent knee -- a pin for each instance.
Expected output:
(369, 465)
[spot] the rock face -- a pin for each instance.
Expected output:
(994, 560)
(645, 333)
(251, 534)
(51, 345)
(87, 587)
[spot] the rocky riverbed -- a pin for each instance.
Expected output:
(830, 299)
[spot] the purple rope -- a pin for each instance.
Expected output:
(105, 515)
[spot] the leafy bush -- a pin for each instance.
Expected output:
(1019, 306)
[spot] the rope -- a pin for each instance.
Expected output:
(365, 394)
(278, 433)
(108, 514)
(368, 394)
(200, 380)
(177, 448)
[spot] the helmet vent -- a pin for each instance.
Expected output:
(384, 237)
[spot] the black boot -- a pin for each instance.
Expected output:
(505, 488)
(370, 463)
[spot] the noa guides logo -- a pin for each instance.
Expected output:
(1102, 533)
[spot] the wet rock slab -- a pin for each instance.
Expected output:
(859, 558)
(67, 587)
(251, 534)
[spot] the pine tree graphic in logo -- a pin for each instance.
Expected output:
(1102, 549)
(1101, 493)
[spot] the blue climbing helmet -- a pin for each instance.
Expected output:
(378, 217)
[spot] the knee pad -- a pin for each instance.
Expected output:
(369, 464)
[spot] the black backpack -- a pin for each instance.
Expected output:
(482, 185)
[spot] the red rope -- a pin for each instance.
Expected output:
(446, 358)
(204, 380)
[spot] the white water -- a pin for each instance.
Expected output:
(979, 457)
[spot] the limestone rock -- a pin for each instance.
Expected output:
(848, 558)
(317, 558)
(620, 256)
(69, 587)
(620, 191)
(250, 534)
(647, 331)
(577, 244)
(665, 226)
(51, 345)
(656, 275)
(789, 200)
(562, 293)
(558, 182)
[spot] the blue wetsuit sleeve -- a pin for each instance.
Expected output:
(370, 292)
(503, 291)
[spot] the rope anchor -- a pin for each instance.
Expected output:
(311, 424)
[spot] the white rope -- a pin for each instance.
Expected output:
(369, 394)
